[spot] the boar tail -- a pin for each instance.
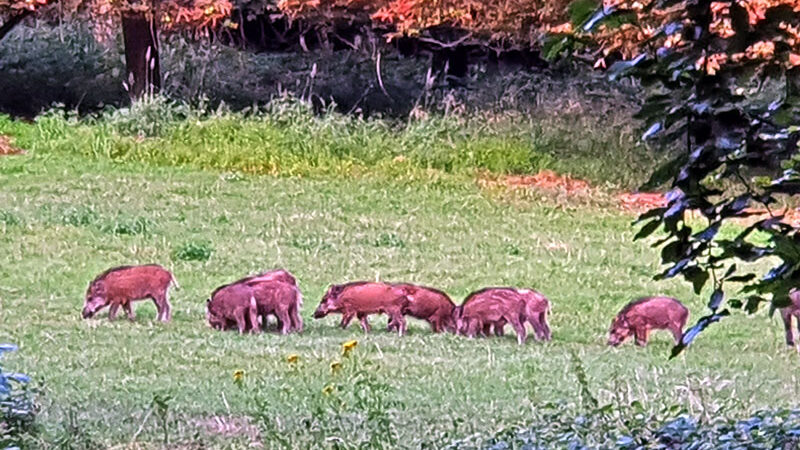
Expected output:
(174, 281)
(253, 304)
(299, 299)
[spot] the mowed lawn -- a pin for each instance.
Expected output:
(63, 219)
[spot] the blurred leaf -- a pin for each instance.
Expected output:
(716, 299)
(692, 333)
(647, 229)
(580, 11)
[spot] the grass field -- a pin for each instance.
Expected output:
(67, 214)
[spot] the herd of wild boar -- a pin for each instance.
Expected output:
(247, 304)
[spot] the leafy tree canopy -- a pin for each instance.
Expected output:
(722, 80)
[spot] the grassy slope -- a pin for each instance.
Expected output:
(65, 217)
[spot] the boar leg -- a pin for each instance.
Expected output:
(677, 333)
(159, 307)
(112, 311)
(519, 328)
(397, 317)
(797, 320)
(241, 320)
(346, 318)
(539, 328)
(167, 308)
(129, 311)
(640, 335)
(364, 322)
(294, 315)
(486, 329)
(391, 325)
(499, 328)
(470, 328)
(252, 315)
(436, 323)
(545, 326)
(283, 318)
(786, 315)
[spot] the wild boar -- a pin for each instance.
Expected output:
(536, 309)
(491, 305)
(233, 305)
(360, 299)
(282, 300)
(431, 305)
(793, 310)
(121, 286)
(640, 316)
(272, 275)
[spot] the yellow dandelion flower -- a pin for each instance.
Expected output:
(293, 358)
(335, 367)
(238, 376)
(328, 390)
(348, 346)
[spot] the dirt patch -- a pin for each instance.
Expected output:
(229, 426)
(6, 147)
(639, 202)
(545, 180)
(631, 202)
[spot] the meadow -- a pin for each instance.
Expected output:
(332, 202)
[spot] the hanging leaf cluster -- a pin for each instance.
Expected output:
(723, 83)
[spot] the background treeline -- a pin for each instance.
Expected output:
(351, 57)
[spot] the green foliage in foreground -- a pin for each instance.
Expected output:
(606, 429)
(106, 384)
(287, 139)
(17, 407)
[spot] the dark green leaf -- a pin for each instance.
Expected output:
(716, 299)
(580, 11)
(647, 229)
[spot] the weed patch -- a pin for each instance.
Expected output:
(194, 251)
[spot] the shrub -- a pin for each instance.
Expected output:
(46, 65)
(194, 251)
(78, 216)
(17, 406)
(389, 240)
(610, 428)
(345, 404)
(129, 226)
(9, 218)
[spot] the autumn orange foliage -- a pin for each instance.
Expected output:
(523, 20)
(631, 38)
(173, 14)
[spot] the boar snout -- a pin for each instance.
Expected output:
(320, 312)
(92, 306)
(616, 336)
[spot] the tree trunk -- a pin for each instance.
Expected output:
(141, 54)
(12, 22)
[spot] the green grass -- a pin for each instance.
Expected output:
(67, 212)
(286, 139)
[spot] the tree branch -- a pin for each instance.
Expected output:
(12, 22)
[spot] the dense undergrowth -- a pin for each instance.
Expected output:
(604, 430)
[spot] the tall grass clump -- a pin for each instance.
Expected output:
(286, 138)
(344, 403)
